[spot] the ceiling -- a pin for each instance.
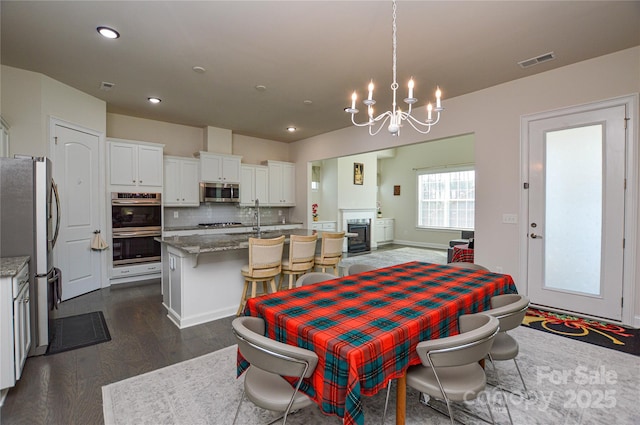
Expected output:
(318, 51)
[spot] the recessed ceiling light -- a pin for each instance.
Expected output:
(154, 99)
(260, 87)
(307, 102)
(291, 129)
(198, 69)
(107, 32)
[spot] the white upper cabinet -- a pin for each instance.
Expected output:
(181, 182)
(218, 168)
(282, 176)
(254, 184)
(135, 167)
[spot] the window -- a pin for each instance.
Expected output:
(315, 178)
(446, 198)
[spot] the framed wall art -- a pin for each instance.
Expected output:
(358, 173)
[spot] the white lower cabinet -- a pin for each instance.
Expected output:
(327, 226)
(384, 230)
(15, 326)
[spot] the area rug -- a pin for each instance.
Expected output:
(83, 330)
(586, 330)
(205, 390)
(392, 257)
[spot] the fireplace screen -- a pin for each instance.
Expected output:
(362, 241)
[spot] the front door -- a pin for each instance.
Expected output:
(76, 170)
(577, 211)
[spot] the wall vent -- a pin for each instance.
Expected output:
(539, 59)
(105, 86)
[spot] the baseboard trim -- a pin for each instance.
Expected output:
(421, 244)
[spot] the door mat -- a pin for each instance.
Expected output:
(603, 334)
(78, 331)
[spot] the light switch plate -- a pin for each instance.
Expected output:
(176, 214)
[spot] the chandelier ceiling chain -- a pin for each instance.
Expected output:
(396, 116)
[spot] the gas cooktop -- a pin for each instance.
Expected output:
(225, 224)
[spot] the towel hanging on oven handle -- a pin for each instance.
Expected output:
(97, 243)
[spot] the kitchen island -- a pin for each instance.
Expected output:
(201, 278)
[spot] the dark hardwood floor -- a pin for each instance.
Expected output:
(66, 388)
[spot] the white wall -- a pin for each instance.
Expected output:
(357, 196)
(30, 99)
(178, 140)
(493, 116)
(254, 150)
(183, 140)
(401, 170)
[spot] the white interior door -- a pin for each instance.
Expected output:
(577, 211)
(76, 170)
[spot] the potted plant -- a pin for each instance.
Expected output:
(378, 207)
(314, 211)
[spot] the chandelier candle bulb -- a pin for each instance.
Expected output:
(354, 97)
(429, 109)
(370, 91)
(410, 88)
(438, 95)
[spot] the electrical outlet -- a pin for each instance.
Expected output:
(510, 218)
(176, 214)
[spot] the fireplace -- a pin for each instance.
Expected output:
(362, 241)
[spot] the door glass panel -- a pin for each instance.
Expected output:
(573, 219)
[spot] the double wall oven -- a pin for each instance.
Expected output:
(136, 219)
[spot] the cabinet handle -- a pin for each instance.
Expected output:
(134, 181)
(26, 300)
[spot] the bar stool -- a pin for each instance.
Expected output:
(302, 251)
(265, 263)
(330, 252)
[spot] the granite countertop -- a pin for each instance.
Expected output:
(198, 244)
(10, 266)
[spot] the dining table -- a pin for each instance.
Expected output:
(365, 327)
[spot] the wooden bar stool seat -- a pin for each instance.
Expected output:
(302, 251)
(265, 263)
(330, 252)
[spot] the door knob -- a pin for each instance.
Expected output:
(534, 236)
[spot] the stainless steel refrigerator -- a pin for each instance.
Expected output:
(29, 223)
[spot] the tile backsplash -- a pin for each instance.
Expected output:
(221, 213)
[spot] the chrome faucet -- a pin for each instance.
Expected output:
(257, 215)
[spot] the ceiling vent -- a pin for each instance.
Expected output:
(105, 86)
(535, 61)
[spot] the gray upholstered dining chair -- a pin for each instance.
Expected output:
(471, 266)
(450, 369)
(510, 310)
(359, 268)
(302, 251)
(313, 277)
(270, 360)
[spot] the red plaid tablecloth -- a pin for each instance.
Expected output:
(365, 327)
(462, 254)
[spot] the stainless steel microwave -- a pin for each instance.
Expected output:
(219, 192)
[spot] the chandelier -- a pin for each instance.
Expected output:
(396, 116)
